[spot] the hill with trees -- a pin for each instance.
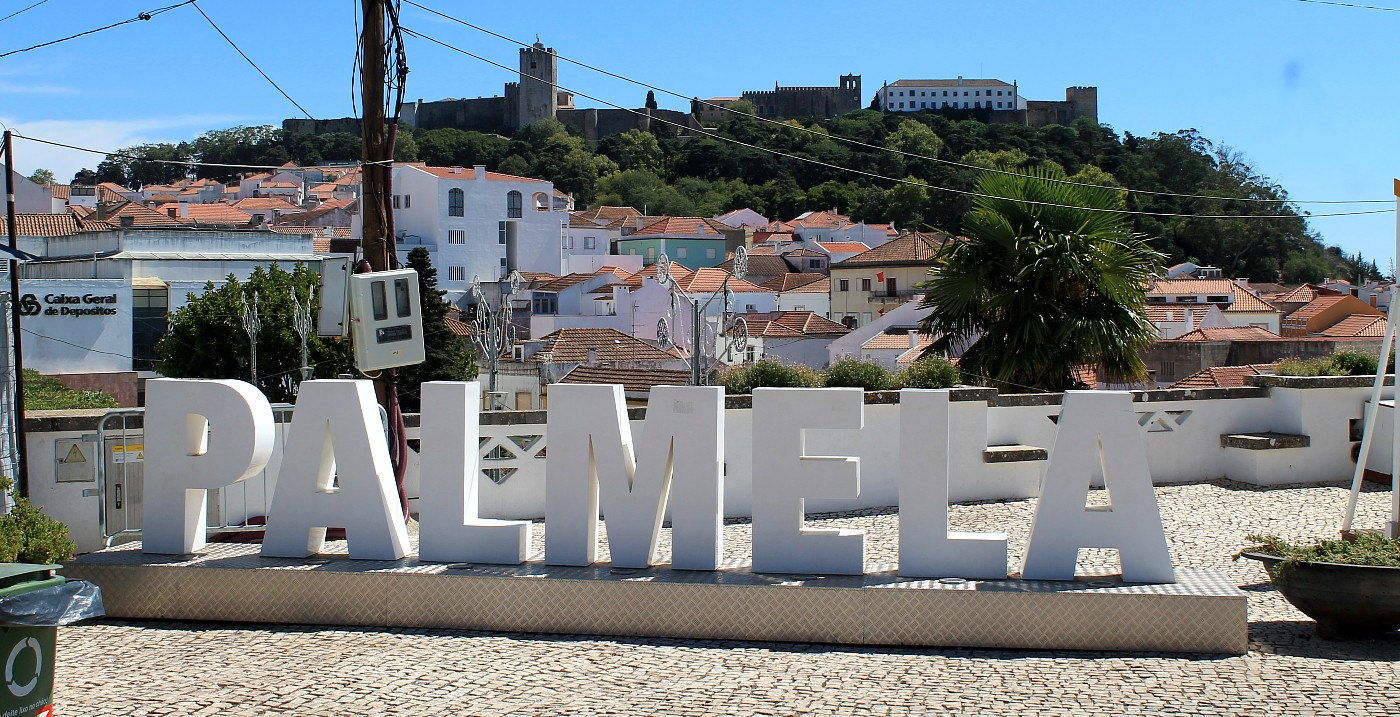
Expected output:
(841, 163)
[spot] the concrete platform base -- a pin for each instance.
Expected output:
(1203, 612)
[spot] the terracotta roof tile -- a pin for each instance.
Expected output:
(960, 82)
(609, 345)
(1244, 299)
(1230, 333)
(1223, 376)
(266, 203)
(910, 248)
(821, 219)
(221, 214)
(800, 283)
(764, 265)
(469, 173)
(143, 216)
(896, 341)
(43, 225)
(793, 323)
(686, 226)
(710, 279)
(1315, 307)
(843, 247)
(1358, 325)
(633, 380)
(563, 282)
(1176, 313)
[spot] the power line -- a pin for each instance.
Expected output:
(881, 177)
(31, 7)
(1350, 5)
(142, 16)
(191, 163)
(249, 59)
(892, 150)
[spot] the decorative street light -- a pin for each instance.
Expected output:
(732, 333)
(492, 330)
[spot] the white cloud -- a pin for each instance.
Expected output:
(11, 88)
(104, 135)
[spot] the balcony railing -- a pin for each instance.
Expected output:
(897, 296)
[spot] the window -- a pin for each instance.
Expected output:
(590, 243)
(979, 105)
(849, 320)
(814, 263)
(843, 285)
(998, 93)
(515, 204)
(998, 104)
(710, 253)
(456, 273)
(456, 236)
(945, 93)
(541, 201)
(456, 203)
(680, 252)
(977, 93)
(865, 285)
(1217, 299)
(901, 93)
(407, 201)
(396, 201)
(148, 325)
(568, 242)
(505, 268)
(901, 105)
(964, 93)
(750, 308)
(500, 232)
(545, 303)
(865, 317)
(651, 253)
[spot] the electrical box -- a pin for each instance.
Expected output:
(331, 320)
(386, 322)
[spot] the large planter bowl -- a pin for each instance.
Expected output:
(1347, 601)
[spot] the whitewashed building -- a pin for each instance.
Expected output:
(915, 95)
(476, 223)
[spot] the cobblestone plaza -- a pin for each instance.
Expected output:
(152, 668)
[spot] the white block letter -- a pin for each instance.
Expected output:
(450, 529)
(592, 457)
(926, 548)
(784, 476)
(336, 474)
(1098, 426)
(181, 463)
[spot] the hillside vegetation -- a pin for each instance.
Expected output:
(662, 173)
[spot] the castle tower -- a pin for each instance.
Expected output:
(539, 72)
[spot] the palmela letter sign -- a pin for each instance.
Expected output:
(335, 472)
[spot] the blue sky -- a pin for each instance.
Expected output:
(1303, 89)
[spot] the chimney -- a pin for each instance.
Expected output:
(456, 170)
(592, 357)
(913, 339)
(1373, 301)
(1190, 319)
(480, 171)
(184, 210)
(1242, 282)
(169, 212)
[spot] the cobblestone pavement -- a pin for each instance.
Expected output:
(149, 668)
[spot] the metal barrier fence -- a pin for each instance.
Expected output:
(236, 508)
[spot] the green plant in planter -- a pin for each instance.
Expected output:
(27, 535)
(1351, 587)
(1363, 549)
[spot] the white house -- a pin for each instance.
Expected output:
(915, 95)
(476, 223)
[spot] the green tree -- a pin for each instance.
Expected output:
(207, 338)
(449, 357)
(85, 176)
(42, 176)
(1041, 289)
(915, 138)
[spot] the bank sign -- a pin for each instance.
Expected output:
(335, 472)
(68, 305)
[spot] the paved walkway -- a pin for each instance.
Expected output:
(125, 668)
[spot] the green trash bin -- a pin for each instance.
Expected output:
(27, 651)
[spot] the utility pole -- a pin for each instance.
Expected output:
(374, 205)
(21, 450)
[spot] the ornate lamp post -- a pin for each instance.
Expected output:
(492, 330)
(732, 333)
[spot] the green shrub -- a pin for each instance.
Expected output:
(27, 535)
(1319, 366)
(1343, 363)
(929, 372)
(859, 374)
(767, 373)
(1364, 549)
(46, 393)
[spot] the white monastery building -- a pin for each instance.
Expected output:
(915, 95)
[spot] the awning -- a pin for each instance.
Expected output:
(16, 254)
(148, 282)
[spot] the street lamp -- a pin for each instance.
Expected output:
(492, 330)
(733, 331)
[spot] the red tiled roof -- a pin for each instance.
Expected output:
(821, 219)
(633, 380)
(564, 282)
(764, 265)
(686, 226)
(1176, 313)
(460, 328)
(1229, 333)
(843, 247)
(910, 248)
(470, 173)
(896, 341)
(710, 279)
(207, 213)
(1244, 299)
(266, 203)
(1358, 325)
(793, 323)
(609, 345)
(802, 283)
(1223, 376)
(1304, 294)
(1315, 307)
(43, 225)
(143, 216)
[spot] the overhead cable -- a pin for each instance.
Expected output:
(240, 51)
(866, 145)
(141, 16)
(894, 180)
(31, 7)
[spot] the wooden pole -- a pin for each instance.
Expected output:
(21, 450)
(374, 204)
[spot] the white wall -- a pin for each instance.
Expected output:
(59, 342)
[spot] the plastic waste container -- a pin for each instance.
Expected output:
(34, 601)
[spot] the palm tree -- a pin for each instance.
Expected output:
(1048, 278)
